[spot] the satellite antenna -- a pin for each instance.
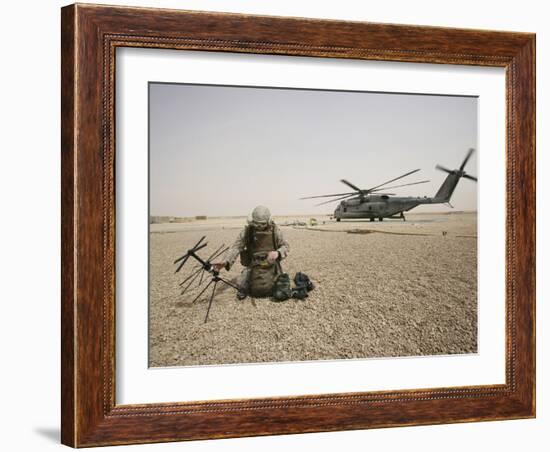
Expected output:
(204, 266)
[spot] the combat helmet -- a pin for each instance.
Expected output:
(260, 217)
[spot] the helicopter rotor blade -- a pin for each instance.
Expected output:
(326, 196)
(467, 176)
(442, 168)
(468, 155)
(392, 180)
(350, 185)
(399, 186)
(334, 200)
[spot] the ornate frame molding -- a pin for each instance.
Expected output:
(90, 36)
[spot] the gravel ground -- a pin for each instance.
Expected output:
(376, 295)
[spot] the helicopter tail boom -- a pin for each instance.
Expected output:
(447, 188)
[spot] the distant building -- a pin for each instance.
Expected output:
(160, 219)
(156, 219)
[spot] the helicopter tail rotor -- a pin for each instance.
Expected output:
(460, 171)
(446, 190)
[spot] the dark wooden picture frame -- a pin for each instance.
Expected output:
(90, 35)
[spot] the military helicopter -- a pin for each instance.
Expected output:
(372, 203)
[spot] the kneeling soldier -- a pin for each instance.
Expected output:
(261, 247)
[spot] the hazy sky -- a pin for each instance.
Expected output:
(217, 150)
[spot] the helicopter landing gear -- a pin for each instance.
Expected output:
(337, 219)
(372, 219)
(403, 217)
(380, 218)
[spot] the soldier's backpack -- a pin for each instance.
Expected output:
(302, 286)
(299, 293)
(281, 288)
(302, 280)
(262, 279)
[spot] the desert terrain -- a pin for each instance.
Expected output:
(382, 289)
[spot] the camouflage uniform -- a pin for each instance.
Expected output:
(239, 245)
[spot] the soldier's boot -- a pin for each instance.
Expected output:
(242, 283)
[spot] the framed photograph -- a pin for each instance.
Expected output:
(281, 225)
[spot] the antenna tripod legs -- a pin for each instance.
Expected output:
(205, 266)
(211, 300)
(215, 279)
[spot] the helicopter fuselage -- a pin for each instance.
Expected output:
(378, 206)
